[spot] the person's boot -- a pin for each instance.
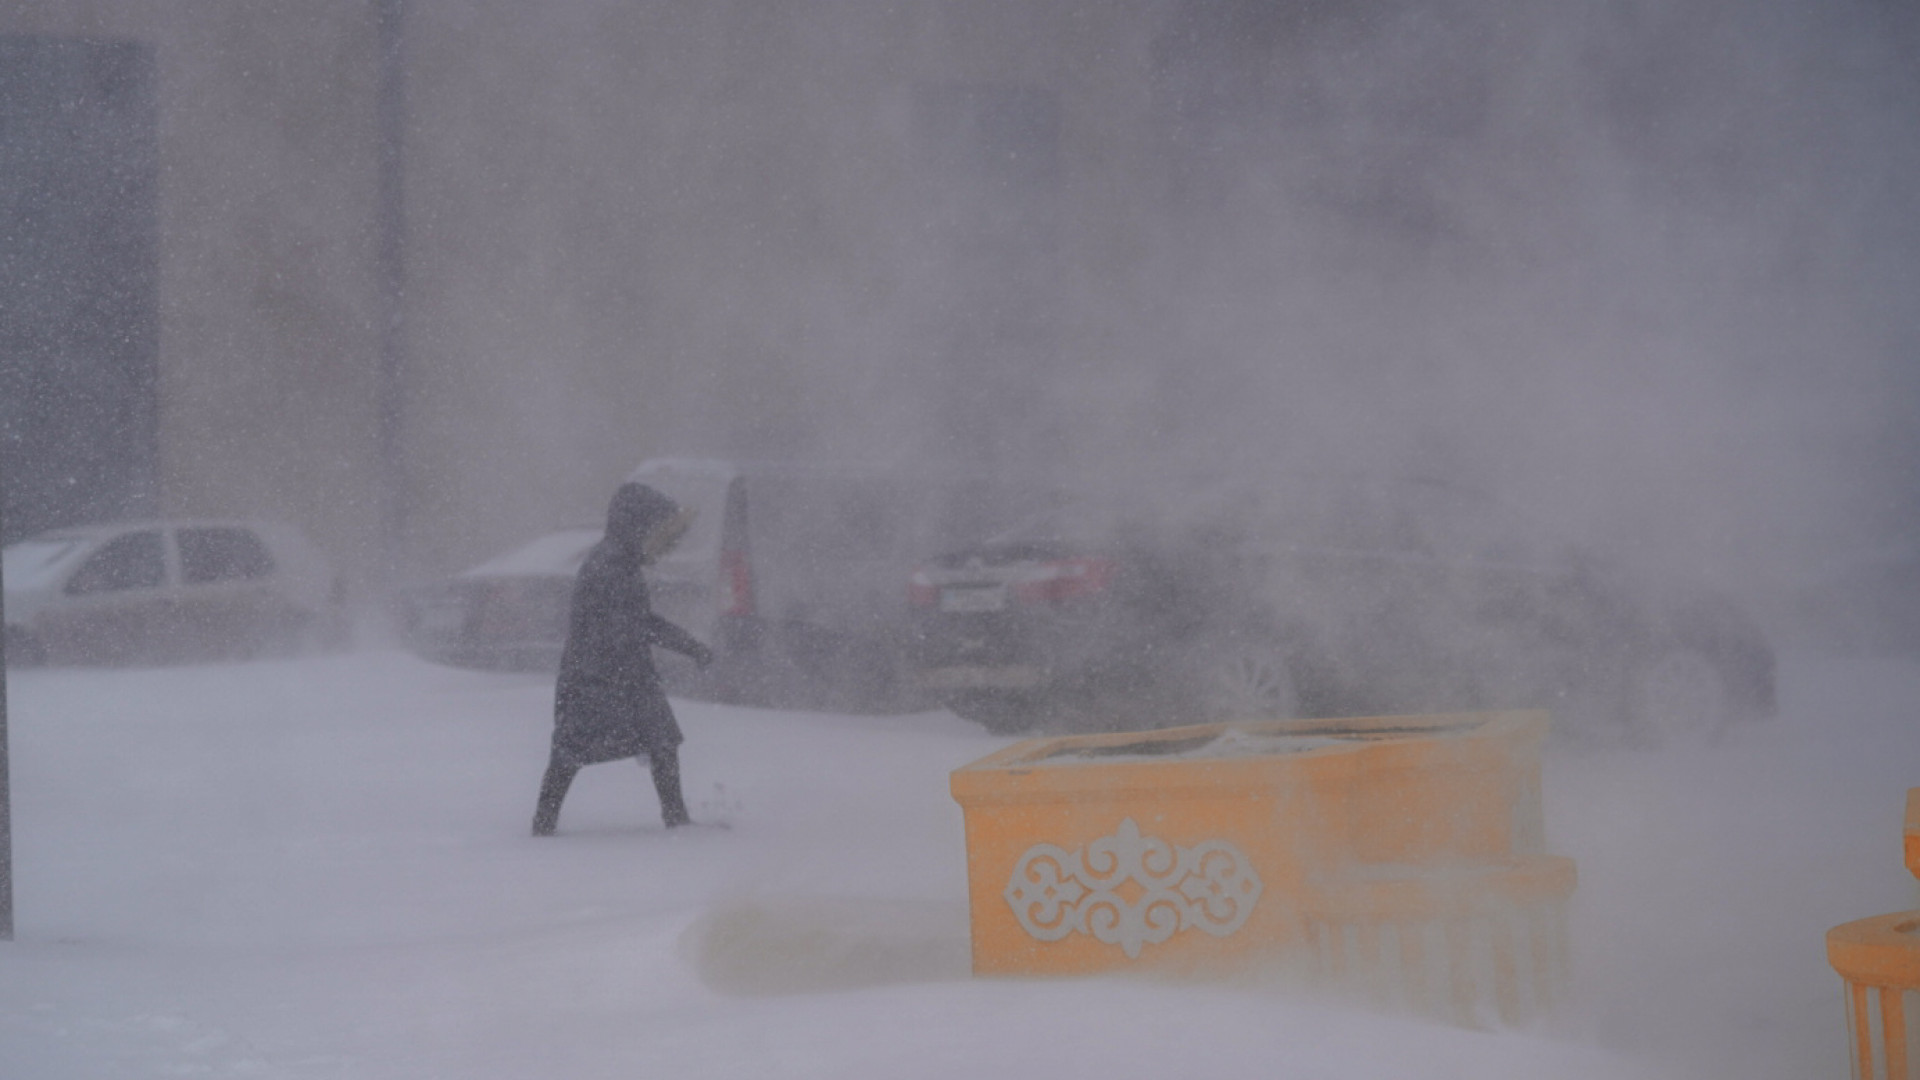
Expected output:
(665, 766)
(553, 791)
(545, 819)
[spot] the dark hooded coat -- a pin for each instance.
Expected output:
(609, 702)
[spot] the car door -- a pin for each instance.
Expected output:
(117, 604)
(230, 603)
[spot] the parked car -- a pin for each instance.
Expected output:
(791, 571)
(508, 613)
(168, 591)
(1246, 601)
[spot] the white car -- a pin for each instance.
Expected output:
(168, 592)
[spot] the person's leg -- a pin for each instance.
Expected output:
(553, 791)
(665, 766)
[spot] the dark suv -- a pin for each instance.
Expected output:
(1365, 600)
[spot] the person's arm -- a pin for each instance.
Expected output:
(659, 631)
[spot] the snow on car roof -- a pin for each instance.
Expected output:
(29, 564)
(555, 553)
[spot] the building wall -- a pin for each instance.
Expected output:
(266, 188)
(1353, 234)
(721, 228)
(634, 229)
(79, 281)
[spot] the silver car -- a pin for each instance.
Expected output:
(168, 592)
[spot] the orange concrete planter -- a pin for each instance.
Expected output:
(1470, 944)
(1879, 959)
(1399, 852)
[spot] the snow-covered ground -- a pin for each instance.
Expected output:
(321, 868)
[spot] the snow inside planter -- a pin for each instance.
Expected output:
(1402, 857)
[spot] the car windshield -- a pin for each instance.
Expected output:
(29, 564)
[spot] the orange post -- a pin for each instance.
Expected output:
(1879, 960)
(1913, 831)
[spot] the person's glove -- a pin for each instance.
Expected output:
(702, 655)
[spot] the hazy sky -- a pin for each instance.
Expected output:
(1648, 267)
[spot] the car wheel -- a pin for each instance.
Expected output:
(1683, 701)
(1001, 714)
(1247, 680)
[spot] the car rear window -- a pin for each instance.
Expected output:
(214, 554)
(134, 561)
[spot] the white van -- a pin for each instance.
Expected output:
(797, 574)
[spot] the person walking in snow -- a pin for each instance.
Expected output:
(609, 702)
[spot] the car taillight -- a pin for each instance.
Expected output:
(1065, 579)
(736, 576)
(921, 591)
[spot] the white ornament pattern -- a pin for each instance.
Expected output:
(1210, 886)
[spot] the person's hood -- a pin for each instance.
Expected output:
(638, 516)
